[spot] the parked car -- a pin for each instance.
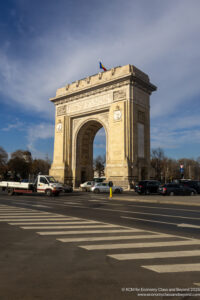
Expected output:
(67, 188)
(172, 189)
(195, 184)
(147, 187)
(103, 187)
(85, 187)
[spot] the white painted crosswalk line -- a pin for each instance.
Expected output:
(38, 205)
(133, 256)
(112, 238)
(174, 268)
(197, 283)
(15, 209)
(18, 216)
(188, 225)
(6, 215)
(86, 231)
(71, 226)
(54, 223)
(140, 245)
(36, 219)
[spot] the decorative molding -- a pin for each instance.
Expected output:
(141, 87)
(61, 110)
(70, 98)
(89, 104)
(59, 126)
(117, 116)
(119, 95)
(76, 122)
(98, 117)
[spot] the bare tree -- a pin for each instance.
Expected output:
(3, 161)
(40, 165)
(23, 154)
(158, 160)
(99, 165)
(20, 164)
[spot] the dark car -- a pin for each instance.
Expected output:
(172, 189)
(194, 184)
(147, 187)
(67, 188)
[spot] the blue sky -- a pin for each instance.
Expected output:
(47, 44)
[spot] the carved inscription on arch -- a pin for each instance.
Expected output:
(88, 104)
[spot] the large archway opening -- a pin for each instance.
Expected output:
(99, 154)
(86, 150)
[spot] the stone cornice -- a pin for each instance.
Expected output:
(89, 92)
(114, 78)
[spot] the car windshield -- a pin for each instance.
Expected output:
(51, 179)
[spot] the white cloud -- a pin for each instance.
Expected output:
(19, 125)
(176, 132)
(166, 46)
(38, 132)
(160, 37)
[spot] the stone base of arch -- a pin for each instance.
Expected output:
(61, 173)
(122, 175)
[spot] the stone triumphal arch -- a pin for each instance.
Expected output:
(119, 101)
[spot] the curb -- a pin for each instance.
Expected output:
(158, 201)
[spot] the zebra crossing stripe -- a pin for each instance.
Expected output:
(112, 238)
(54, 223)
(197, 283)
(132, 256)
(140, 245)
(66, 227)
(86, 231)
(15, 209)
(35, 219)
(174, 268)
(6, 215)
(188, 225)
(18, 216)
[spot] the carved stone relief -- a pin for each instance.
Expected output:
(109, 88)
(88, 104)
(119, 95)
(61, 110)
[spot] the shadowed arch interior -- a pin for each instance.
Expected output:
(84, 150)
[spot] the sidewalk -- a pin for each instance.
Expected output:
(178, 200)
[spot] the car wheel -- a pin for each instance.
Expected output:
(96, 191)
(48, 193)
(192, 193)
(147, 192)
(171, 194)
